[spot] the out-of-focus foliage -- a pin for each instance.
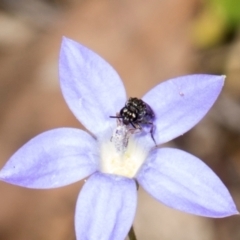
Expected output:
(230, 10)
(216, 20)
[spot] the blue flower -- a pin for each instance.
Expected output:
(107, 202)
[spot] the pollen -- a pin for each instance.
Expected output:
(124, 163)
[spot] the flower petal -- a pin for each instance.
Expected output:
(105, 208)
(91, 87)
(52, 159)
(180, 103)
(182, 181)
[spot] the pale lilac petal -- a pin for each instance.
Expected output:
(52, 159)
(91, 87)
(180, 103)
(182, 181)
(105, 208)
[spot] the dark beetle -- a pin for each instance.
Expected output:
(137, 113)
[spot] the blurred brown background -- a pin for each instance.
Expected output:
(146, 42)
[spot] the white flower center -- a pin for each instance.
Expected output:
(122, 154)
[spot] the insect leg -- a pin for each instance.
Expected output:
(134, 125)
(137, 128)
(151, 131)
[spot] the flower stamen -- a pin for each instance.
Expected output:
(123, 155)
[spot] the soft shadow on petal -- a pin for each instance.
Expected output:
(105, 208)
(180, 103)
(182, 181)
(52, 159)
(91, 87)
